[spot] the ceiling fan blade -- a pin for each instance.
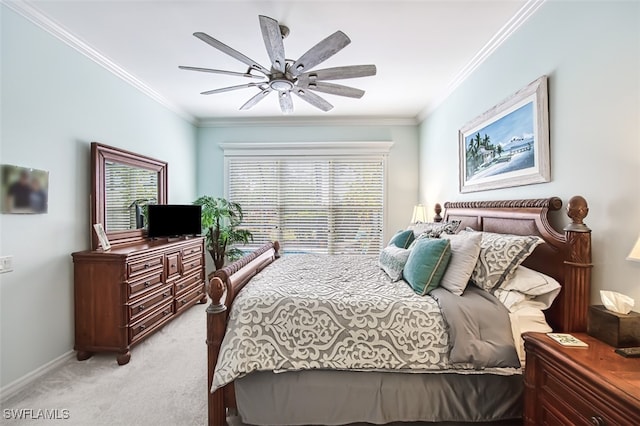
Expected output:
(255, 99)
(230, 88)
(320, 52)
(313, 99)
(239, 74)
(273, 42)
(231, 52)
(334, 89)
(339, 73)
(286, 103)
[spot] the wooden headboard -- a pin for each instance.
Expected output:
(565, 256)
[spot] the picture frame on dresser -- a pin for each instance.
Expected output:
(508, 145)
(102, 236)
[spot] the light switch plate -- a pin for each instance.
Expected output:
(6, 264)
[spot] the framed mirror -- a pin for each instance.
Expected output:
(122, 184)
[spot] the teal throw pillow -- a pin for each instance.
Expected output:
(427, 264)
(402, 239)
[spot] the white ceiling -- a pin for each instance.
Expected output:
(422, 49)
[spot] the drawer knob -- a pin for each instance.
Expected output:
(147, 283)
(142, 327)
(173, 265)
(165, 313)
(183, 301)
(147, 265)
(597, 421)
(165, 294)
(141, 307)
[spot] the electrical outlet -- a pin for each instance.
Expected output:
(6, 264)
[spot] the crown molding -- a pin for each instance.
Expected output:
(525, 12)
(36, 16)
(307, 121)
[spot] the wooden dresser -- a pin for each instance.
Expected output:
(579, 386)
(125, 294)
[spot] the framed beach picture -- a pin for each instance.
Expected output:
(509, 144)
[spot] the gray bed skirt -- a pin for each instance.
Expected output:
(321, 397)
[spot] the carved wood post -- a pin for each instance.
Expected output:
(216, 324)
(578, 266)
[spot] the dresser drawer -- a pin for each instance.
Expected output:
(194, 249)
(189, 299)
(151, 322)
(147, 304)
(190, 264)
(144, 284)
(172, 265)
(142, 266)
(566, 402)
(189, 283)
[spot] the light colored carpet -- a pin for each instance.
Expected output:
(164, 384)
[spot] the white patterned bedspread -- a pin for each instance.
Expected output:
(331, 312)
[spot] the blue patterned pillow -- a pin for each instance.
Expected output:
(402, 239)
(426, 264)
(392, 261)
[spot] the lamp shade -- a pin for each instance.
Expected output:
(419, 214)
(635, 252)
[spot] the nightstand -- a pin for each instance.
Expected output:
(572, 385)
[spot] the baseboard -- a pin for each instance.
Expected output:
(16, 386)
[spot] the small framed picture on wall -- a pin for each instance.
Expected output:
(23, 190)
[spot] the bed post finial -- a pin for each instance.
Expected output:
(578, 267)
(577, 210)
(437, 209)
(216, 324)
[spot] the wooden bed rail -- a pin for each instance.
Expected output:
(226, 283)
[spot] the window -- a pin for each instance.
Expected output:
(311, 203)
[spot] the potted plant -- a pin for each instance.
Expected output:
(220, 221)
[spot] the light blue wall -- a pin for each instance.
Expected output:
(591, 53)
(402, 163)
(55, 101)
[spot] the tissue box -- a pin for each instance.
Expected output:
(617, 330)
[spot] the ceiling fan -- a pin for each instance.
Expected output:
(287, 76)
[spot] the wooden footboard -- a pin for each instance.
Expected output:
(224, 284)
(566, 256)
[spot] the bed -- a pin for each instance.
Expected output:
(321, 389)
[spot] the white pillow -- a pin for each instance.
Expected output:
(538, 289)
(465, 249)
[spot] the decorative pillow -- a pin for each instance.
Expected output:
(392, 261)
(434, 229)
(402, 239)
(426, 264)
(465, 249)
(500, 255)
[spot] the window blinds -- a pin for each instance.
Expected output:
(123, 186)
(311, 204)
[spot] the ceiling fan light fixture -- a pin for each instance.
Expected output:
(281, 85)
(285, 75)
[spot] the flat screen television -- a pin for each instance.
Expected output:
(173, 220)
